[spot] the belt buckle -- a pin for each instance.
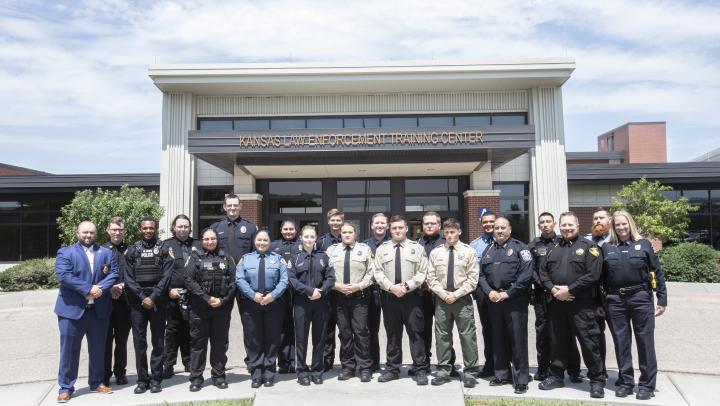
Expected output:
(622, 291)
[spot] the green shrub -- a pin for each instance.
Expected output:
(29, 275)
(690, 262)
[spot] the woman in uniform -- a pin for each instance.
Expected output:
(312, 277)
(631, 273)
(210, 281)
(262, 279)
(287, 246)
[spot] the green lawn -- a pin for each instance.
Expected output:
(523, 402)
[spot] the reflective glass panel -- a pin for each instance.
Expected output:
(426, 203)
(378, 187)
(353, 123)
(508, 119)
(469, 121)
(371, 122)
(252, 124)
(287, 124)
(299, 188)
(351, 187)
(435, 121)
(351, 204)
(398, 122)
(216, 125)
(324, 123)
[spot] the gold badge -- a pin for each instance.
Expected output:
(106, 269)
(579, 251)
(222, 266)
(594, 251)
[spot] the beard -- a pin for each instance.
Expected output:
(600, 230)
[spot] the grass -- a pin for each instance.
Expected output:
(523, 402)
(228, 402)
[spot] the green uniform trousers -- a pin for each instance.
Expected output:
(462, 314)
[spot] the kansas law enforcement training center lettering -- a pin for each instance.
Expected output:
(361, 140)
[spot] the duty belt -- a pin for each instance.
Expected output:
(355, 295)
(629, 289)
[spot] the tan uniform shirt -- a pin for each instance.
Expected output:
(414, 265)
(360, 264)
(466, 269)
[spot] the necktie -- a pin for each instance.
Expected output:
(312, 275)
(497, 281)
(398, 264)
(451, 269)
(261, 274)
(232, 248)
(91, 257)
(346, 265)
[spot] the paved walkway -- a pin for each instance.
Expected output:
(686, 344)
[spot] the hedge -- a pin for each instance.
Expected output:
(29, 275)
(691, 262)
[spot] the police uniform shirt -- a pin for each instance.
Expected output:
(247, 273)
(465, 269)
(598, 240)
(310, 271)
(159, 290)
(286, 248)
(506, 267)
(574, 263)
(430, 242)
(326, 240)
(539, 247)
(629, 264)
(360, 264)
(177, 255)
(194, 278)
(118, 252)
(481, 243)
(235, 237)
(373, 243)
(413, 269)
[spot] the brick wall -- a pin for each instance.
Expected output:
(252, 210)
(472, 226)
(585, 215)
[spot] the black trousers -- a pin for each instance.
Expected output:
(576, 318)
(177, 335)
(329, 349)
(213, 326)
(353, 330)
(310, 313)
(286, 355)
(486, 329)
(374, 307)
(118, 332)
(542, 341)
(629, 314)
(404, 312)
(510, 343)
(141, 317)
(261, 335)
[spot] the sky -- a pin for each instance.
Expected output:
(75, 96)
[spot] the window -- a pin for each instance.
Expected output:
(210, 206)
(248, 125)
(363, 196)
(215, 125)
(508, 119)
(435, 121)
(434, 194)
(287, 124)
(325, 123)
(398, 122)
(469, 121)
(295, 197)
(515, 207)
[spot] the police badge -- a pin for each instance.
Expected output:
(510, 252)
(637, 247)
(105, 269)
(243, 229)
(222, 266)
(579, 251)
(156, 250)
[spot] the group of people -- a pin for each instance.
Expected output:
(185, 289)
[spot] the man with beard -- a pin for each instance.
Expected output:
(600, 234)
(379, 228)
(119, 325)
(539, 247)
(287, 246)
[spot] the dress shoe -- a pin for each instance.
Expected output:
(500, 382)
(365, 375)
(644, 394)
(103, 389)
(317, 380)
(623, 391)
(551, 383)
(346, 374)
(421, 378)
(486, 373)
(576, 379)
(597, 390)
(195, 387)
(454, 372)
(388, 376)
(121, 380)
(221, 384)
(439, 380)
(304, 380)
(155, 388)
(268, 383)
(521, 388)
(141, 387)
(256, 383)
(540, 376)
(469, 381)
(284, 370)
(63, 397)
(328, 366)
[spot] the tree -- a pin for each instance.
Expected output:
(655, 214)
(130, 203)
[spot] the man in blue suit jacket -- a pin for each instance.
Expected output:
(86, 273)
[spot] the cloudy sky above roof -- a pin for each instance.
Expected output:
(76, 97)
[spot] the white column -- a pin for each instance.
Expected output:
(243, 182)
(548, 169)
(177, 166)
(481, 177)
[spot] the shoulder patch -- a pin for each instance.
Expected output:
(594, 251)
(526, 255)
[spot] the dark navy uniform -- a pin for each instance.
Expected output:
(262, 273)
(480, 244)
(539, 247)
(508, 268)
(146, 277)
(323, 243)
(286, 355)
(627, 279)
(177, 330)
(600, 297)
(577, 264)
(119, 322)
(209, 274)
(235, 237)
(307, 272)
(374, 308)
(428, 298)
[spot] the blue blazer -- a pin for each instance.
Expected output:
(73, 272)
